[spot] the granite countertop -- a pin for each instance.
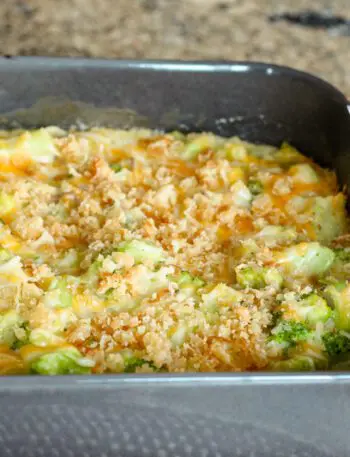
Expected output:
(178, 29)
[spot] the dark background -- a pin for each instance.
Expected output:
(181, 29)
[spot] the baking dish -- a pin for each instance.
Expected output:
(167, 415)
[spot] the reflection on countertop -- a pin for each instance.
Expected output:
(180, 29)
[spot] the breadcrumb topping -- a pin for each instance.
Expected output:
(106, 228)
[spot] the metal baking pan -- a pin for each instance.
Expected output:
(197, 415)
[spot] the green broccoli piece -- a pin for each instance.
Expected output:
(199, 144)
(289, 333)
(10, 324)
(5, 255)
(63, 361)
(250, 277)
(287, 155)
(132, 363)
(336, 343)
(342, 254)
(58, 295)
(7, 203)
(255, 186)
(220, 295)
(314, 309)
(92, 274)
(236, 150)
(331, 281)
(22, 336)
(338, 286)
(116, 167)
(273, 277)
(338, 297)
(142, 250)
(69, 262)
(262, 151)
(343, 365)
(41, 337)
(307, 259)
(177, 135)
(297, 363)
(185, 279)
(257, 278)
(40, 145)
(277, 234)
(329, 217)
(303, 172)
(276, 317)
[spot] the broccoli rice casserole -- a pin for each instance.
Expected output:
(139, 251)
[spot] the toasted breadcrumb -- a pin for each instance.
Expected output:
(104, 188)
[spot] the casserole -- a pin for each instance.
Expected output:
(140, 251)
(176, 414)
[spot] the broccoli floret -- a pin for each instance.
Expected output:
(177, 135)
(39, 144)
(187, 284)
(7, 203)
(236, 151)
(185, 279)
(241, 194)
(22, 334)
(336, 343)
(250, 277)
(69, 262)
(10, 326)
(329, 217)
(221, 295)
(287, 155)
(262, 151)
(338, 297)
(91, 276)
(257, 278)
(42, 338)
(63, 361)
(304, 173)
(331, 281)
(289, 332)
(306, 259)
(255, 186)
(116, 167)
(273, 277)
(132, 363)
(273, 235)
(342, 254)
(297, 363)
(5, 255)
(314, 309)
(179, 333)
(58, 295)
(338, 286)
(276, 316)
(142, 250)
(199, 144)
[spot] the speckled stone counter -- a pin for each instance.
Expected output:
(177, 29)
